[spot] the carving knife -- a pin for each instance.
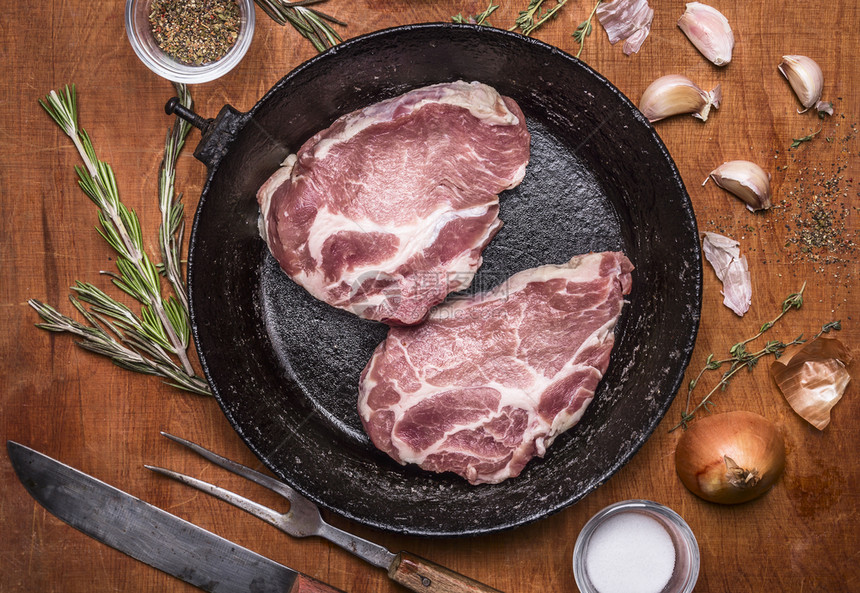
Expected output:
(150, 534)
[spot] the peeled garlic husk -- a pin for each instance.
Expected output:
(731, 268)
(674, 94)
(709, 31)
(627, 20)
(746, 180)
(806, 79)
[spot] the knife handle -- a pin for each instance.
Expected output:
(305, 584)
(417, 574)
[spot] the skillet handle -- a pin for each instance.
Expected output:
(417, 574)
(217, 133)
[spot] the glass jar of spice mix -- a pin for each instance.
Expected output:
(190, 41)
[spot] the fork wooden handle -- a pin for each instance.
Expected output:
(417, 574)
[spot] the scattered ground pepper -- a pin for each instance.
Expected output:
(819, 205)
(816, 208)
(195, 32)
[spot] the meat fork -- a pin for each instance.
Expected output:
(303, 519)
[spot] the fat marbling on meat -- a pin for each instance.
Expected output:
(488, 382)
(387, 211)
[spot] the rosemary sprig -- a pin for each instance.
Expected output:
(740, 358)
(476, 19)
(172, 228)
(144, 343)
(96, 338)
(795, 142)
(532, 17)
(313, 25)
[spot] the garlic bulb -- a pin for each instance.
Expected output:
(709, 31)
(806, 79)
(746, 180)
(674, 94)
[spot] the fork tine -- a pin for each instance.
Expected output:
(302, 520)
(241, 470)
(270, 516)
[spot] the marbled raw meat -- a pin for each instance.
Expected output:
(488, 382)
(387, 211)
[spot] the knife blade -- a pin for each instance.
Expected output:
(151, 535)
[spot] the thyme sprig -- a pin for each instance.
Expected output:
(313, 25)
(533, 17)
(740, 358)
(795, 142)
(792, 301)
(147, 342)
(584, 29)
(476, 19)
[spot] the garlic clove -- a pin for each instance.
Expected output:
(806, 79)
(709, 31)
(745, 180)
(674, 94)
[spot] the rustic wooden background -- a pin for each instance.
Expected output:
(802, 536)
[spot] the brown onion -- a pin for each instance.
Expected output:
(731, 457)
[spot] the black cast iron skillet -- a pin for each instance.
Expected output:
(284, 366)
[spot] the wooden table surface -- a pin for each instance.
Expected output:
(803, 536)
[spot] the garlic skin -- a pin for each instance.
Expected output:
(674, 94)
(806, 79)
(746, 180)
(627, 20)
(732, 269)
(709, 31)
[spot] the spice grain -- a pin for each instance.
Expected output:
(813, 219)
(195, 32)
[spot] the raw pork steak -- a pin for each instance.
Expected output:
(388, 210)
(487, 383)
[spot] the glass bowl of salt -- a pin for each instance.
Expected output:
(636, 546)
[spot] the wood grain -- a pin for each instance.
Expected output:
(802, 536)
(304, 584)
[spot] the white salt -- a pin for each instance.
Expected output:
(630, 553)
